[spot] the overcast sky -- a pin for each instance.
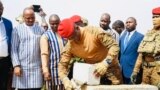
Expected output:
(90, 9)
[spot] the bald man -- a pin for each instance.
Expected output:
(104, 23)
(25, 53)
(51, 47)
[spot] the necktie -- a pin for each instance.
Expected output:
(126, 39)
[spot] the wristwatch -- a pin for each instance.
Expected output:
(108, 61)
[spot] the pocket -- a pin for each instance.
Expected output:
(149, 37)
(147, 46)
(22, 53)
(158, 67)
(157, 48)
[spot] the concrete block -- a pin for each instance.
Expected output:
(85, 73)
(119, 87)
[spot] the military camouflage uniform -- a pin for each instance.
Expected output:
(149, 58)
(94, 46)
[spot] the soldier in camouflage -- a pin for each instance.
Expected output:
(93, 45)
(149, 54)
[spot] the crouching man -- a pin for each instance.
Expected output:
(92, 44)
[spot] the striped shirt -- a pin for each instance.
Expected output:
(52, 45)
(25, 51)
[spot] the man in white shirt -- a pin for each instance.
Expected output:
(5, 37)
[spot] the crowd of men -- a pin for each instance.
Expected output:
(34, 57)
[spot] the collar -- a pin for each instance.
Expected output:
(132, 32)
(29, 26)
(1, 20)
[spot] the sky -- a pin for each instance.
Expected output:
(90, 9)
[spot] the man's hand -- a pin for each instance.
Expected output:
(47, 76)
(18, 71)
(67, 83)
(133, 78)
(101, 68)
(41, 12)
(158, 85)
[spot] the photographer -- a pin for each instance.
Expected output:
(41, 13)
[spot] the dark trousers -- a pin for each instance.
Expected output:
(126, 80)
(70, 74)
(138, 78)
(5, 67)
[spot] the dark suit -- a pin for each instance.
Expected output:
(5, 62)
(128, 55)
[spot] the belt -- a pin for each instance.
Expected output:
(1, 58)
(152, 58)
(157, 58)
(149, 64)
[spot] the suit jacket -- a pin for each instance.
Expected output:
(8, 28)
(128, 55)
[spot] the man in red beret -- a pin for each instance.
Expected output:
(93, 45)
(149, 54)
(77, 20)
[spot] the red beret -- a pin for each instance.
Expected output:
(66, 28)
(76, 18)
(156, 11)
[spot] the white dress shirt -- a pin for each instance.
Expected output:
(3, 40)
(128, 37)
(131, 33)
